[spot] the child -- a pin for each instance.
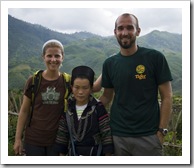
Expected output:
(85, 126)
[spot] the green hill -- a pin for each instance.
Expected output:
(25, 41)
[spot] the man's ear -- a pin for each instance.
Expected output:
(114, 31)
(138, 31)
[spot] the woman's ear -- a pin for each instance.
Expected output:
(63, 57)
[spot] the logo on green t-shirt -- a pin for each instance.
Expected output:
(140, 69)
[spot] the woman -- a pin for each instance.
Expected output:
(48, 104)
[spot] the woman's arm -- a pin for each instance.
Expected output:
(22, 120)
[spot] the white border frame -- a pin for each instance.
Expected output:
(184, 159)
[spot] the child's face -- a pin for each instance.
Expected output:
(53, 58)
(81, 90)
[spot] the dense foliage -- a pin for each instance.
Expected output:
(172, 144)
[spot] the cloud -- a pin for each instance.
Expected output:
(163, 19)
(100, 20)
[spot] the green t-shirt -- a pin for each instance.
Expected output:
(135, 79)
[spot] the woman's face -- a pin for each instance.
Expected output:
(81, 90)
(53, 58)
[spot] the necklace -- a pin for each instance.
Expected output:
(83, 122)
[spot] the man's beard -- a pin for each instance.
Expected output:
(127, 45)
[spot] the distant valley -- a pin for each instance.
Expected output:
(25, 42)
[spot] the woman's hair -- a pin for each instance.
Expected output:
(52, 43)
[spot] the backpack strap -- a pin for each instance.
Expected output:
(36, 79)
(67, 79)
(70, 133)
(99, 151)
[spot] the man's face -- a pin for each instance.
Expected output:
(126, 31)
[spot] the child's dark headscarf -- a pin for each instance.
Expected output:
(84, 72)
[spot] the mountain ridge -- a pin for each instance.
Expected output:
(25, 42)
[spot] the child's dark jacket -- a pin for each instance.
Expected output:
(90, 130)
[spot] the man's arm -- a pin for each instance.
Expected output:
(97, 84)
(107, 96)
(165, 91)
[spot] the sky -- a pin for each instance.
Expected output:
(100, 21)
